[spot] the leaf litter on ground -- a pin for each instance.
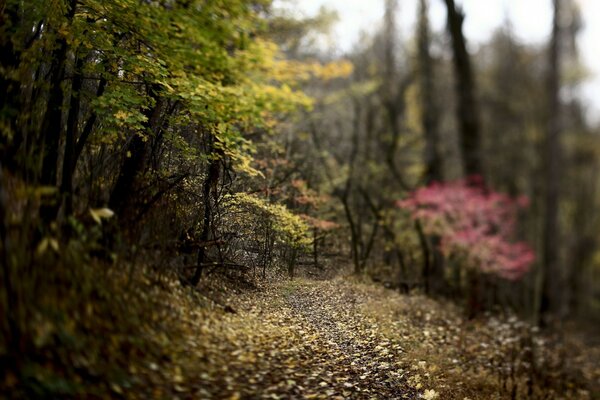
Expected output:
(330, 339)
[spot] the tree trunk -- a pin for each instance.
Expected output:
(209, 186)
(433, 268)
(89, 126)
(71, 137)
(468, 120)
(13, 336)
(52, 122)
(552, 275)
(134, 163)
(467, 111)
(426, 257)
(429, 108)
(10, 96)
(52, 126)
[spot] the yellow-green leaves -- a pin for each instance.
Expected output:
(291, 228)
(45, 244)
(98, 214)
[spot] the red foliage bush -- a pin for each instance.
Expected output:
(475, 223)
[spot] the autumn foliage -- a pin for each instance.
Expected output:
(474, 223)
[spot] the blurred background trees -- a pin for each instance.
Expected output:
(425, 109)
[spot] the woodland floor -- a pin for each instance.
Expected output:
(342, 339)
(307, 339)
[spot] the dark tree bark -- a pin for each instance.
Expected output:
(429, 108)
(392, 92)
(552, 275)
(10, 99)
(345, 196)
(88, 127)
(52, 123)
(468, 120)
(433, 260)
(13, 336)
(209, 189)
(135, 161)
(70, 139)
(467, 110)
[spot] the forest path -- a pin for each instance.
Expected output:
(301, 339)
(342, 339)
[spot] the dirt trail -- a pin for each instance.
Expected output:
(302, 339)
(333, 339)
(356, 359)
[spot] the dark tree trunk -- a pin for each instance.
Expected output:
(426, 257)
(292, 262)
(10, 96)
(392, 93)
(13, 336)
(71, 136)
(345, 197)
(429, 113)
(52, 122)
(433, 263)
(88, 127)
(475, 294)
(468, 120)
(552, 274)
(316, 247)
(209, 186)
(467, 111)
(52, 126)
(134, 163)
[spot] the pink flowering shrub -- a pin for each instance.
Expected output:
(475, 223)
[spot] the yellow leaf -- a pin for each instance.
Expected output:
(45, 243)
(429, 394)
(42, 246)
(101, 213)
(116, 388)
(178, 376)
(54, 244)
(121, 115)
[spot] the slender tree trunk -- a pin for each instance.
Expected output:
(316, 247)
(52, 126)
(134, 162)
(392, 93)
(13, 336)
(209, 186)
(70, 140)
(10, 96)
(433, 267)
(429, 108)
(52, 122)
(467, 111)
(354, 237)
(88, 127)
(426, 257)
(468, 120)
(552, 274)
(292, 263)
(354, 229)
